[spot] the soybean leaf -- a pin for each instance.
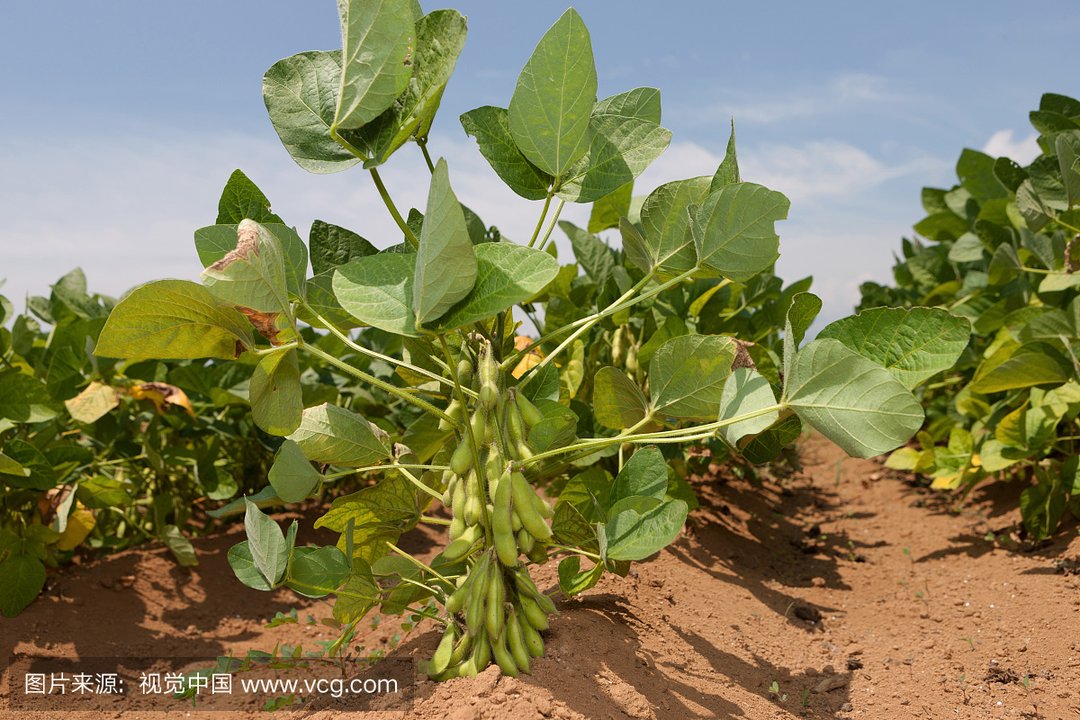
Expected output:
(746, 392)
(292, 476)
(316, 572)
(301, 97)
(22, 576)
(181, 548)
(379, 513)
(635, 536)
(358, 595)
(617, 400)
(93, 403)
(592, 253)
(9, 466)
(490, 126)
(610, 209)
(243, 566)
(914, 344)
(216, 241)
(853, 401)
(377, 40)
(645, 474)
(24, 398)
(728, 172)
(445, 262)
(269, 551)
(378, 290)
(241, 199)
(264, 498)
(275, 395)
(687, 374)
(554, 97)
(665, 226)
(557, 429)
(625, 139)
(333, 246)
(800, 315)
(334, 435)
(440, 36)
(506, 275)
(102, 492)
(252, 275)
(734, 230)
(173, 319)
(1042, 505)
(572, 580)
(1027, 367)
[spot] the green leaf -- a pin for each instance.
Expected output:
(292, 476)
(490, 126)
(445, 262)
(687, 374)
(800, 316)
(216, 241)
(334, 435)
(316, 572)
(377, 39)
(378, 290)
(728, 172)
(665, 226)
(23, 398)
(101, 492)
(181, 548)
(734, 230)
(617, 400)
(853, 401)
(243, 566)
(914, 344)
(610, 209)
(557, 429)
(592, 253)
(9, 466)
(301, 97)
(358, 595)
(507, 275)
(645, 474)
(746, 392)
(572, 580)
(554, 98)
(1042, 505)
(635, 536)
(379, 513)
(624, 141)
(967, 248)
(276, 400)
(243, 200)
(269, 551)
(1027, 367)
(440, 36)
(252, 275)
(22, 576)
(173, 320)
(333, 246)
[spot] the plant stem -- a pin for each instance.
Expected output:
(343, 337)
(433, 520)
(393, 466)
(576, 551)
(679, 435)
(421, 486)
(381, 384)
(554, 222)
(415, 562)
(422, 142)
(543, 215)
(409, 235)
(473, 440)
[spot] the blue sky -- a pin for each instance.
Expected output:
(124, 118)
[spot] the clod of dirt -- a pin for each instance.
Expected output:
(808, 613)
(1068, 566)
(829, 684)
(996, 674)
(854, 663)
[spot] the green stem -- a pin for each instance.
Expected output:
(393, 466)
(336, 332)
(679, 435)
(381, 384)
(433, 520)
(473, 440)
(576, 551)
(258, 352)
(422, 142)
(415, 562)
(421, 486)
(409, 234)
(543, 215)
(554, 222)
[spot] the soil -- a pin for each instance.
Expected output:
(842, 591)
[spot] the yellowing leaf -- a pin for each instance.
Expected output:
(162, 395)
(93, 403)
(80, 522)
(530, 359)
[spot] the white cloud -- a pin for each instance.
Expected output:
(1003, 144)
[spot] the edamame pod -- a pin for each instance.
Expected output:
(515, 641)
(441, 659)
(464, 371)
(503, 657)
(525, 541)
(501, 525)
(532, 612)
(526, 510)
(529, 412)
(495, 613)
(462, 459)
(533, 642)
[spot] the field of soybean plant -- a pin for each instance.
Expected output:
(614, 468)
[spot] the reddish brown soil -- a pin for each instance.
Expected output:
(856, 593)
